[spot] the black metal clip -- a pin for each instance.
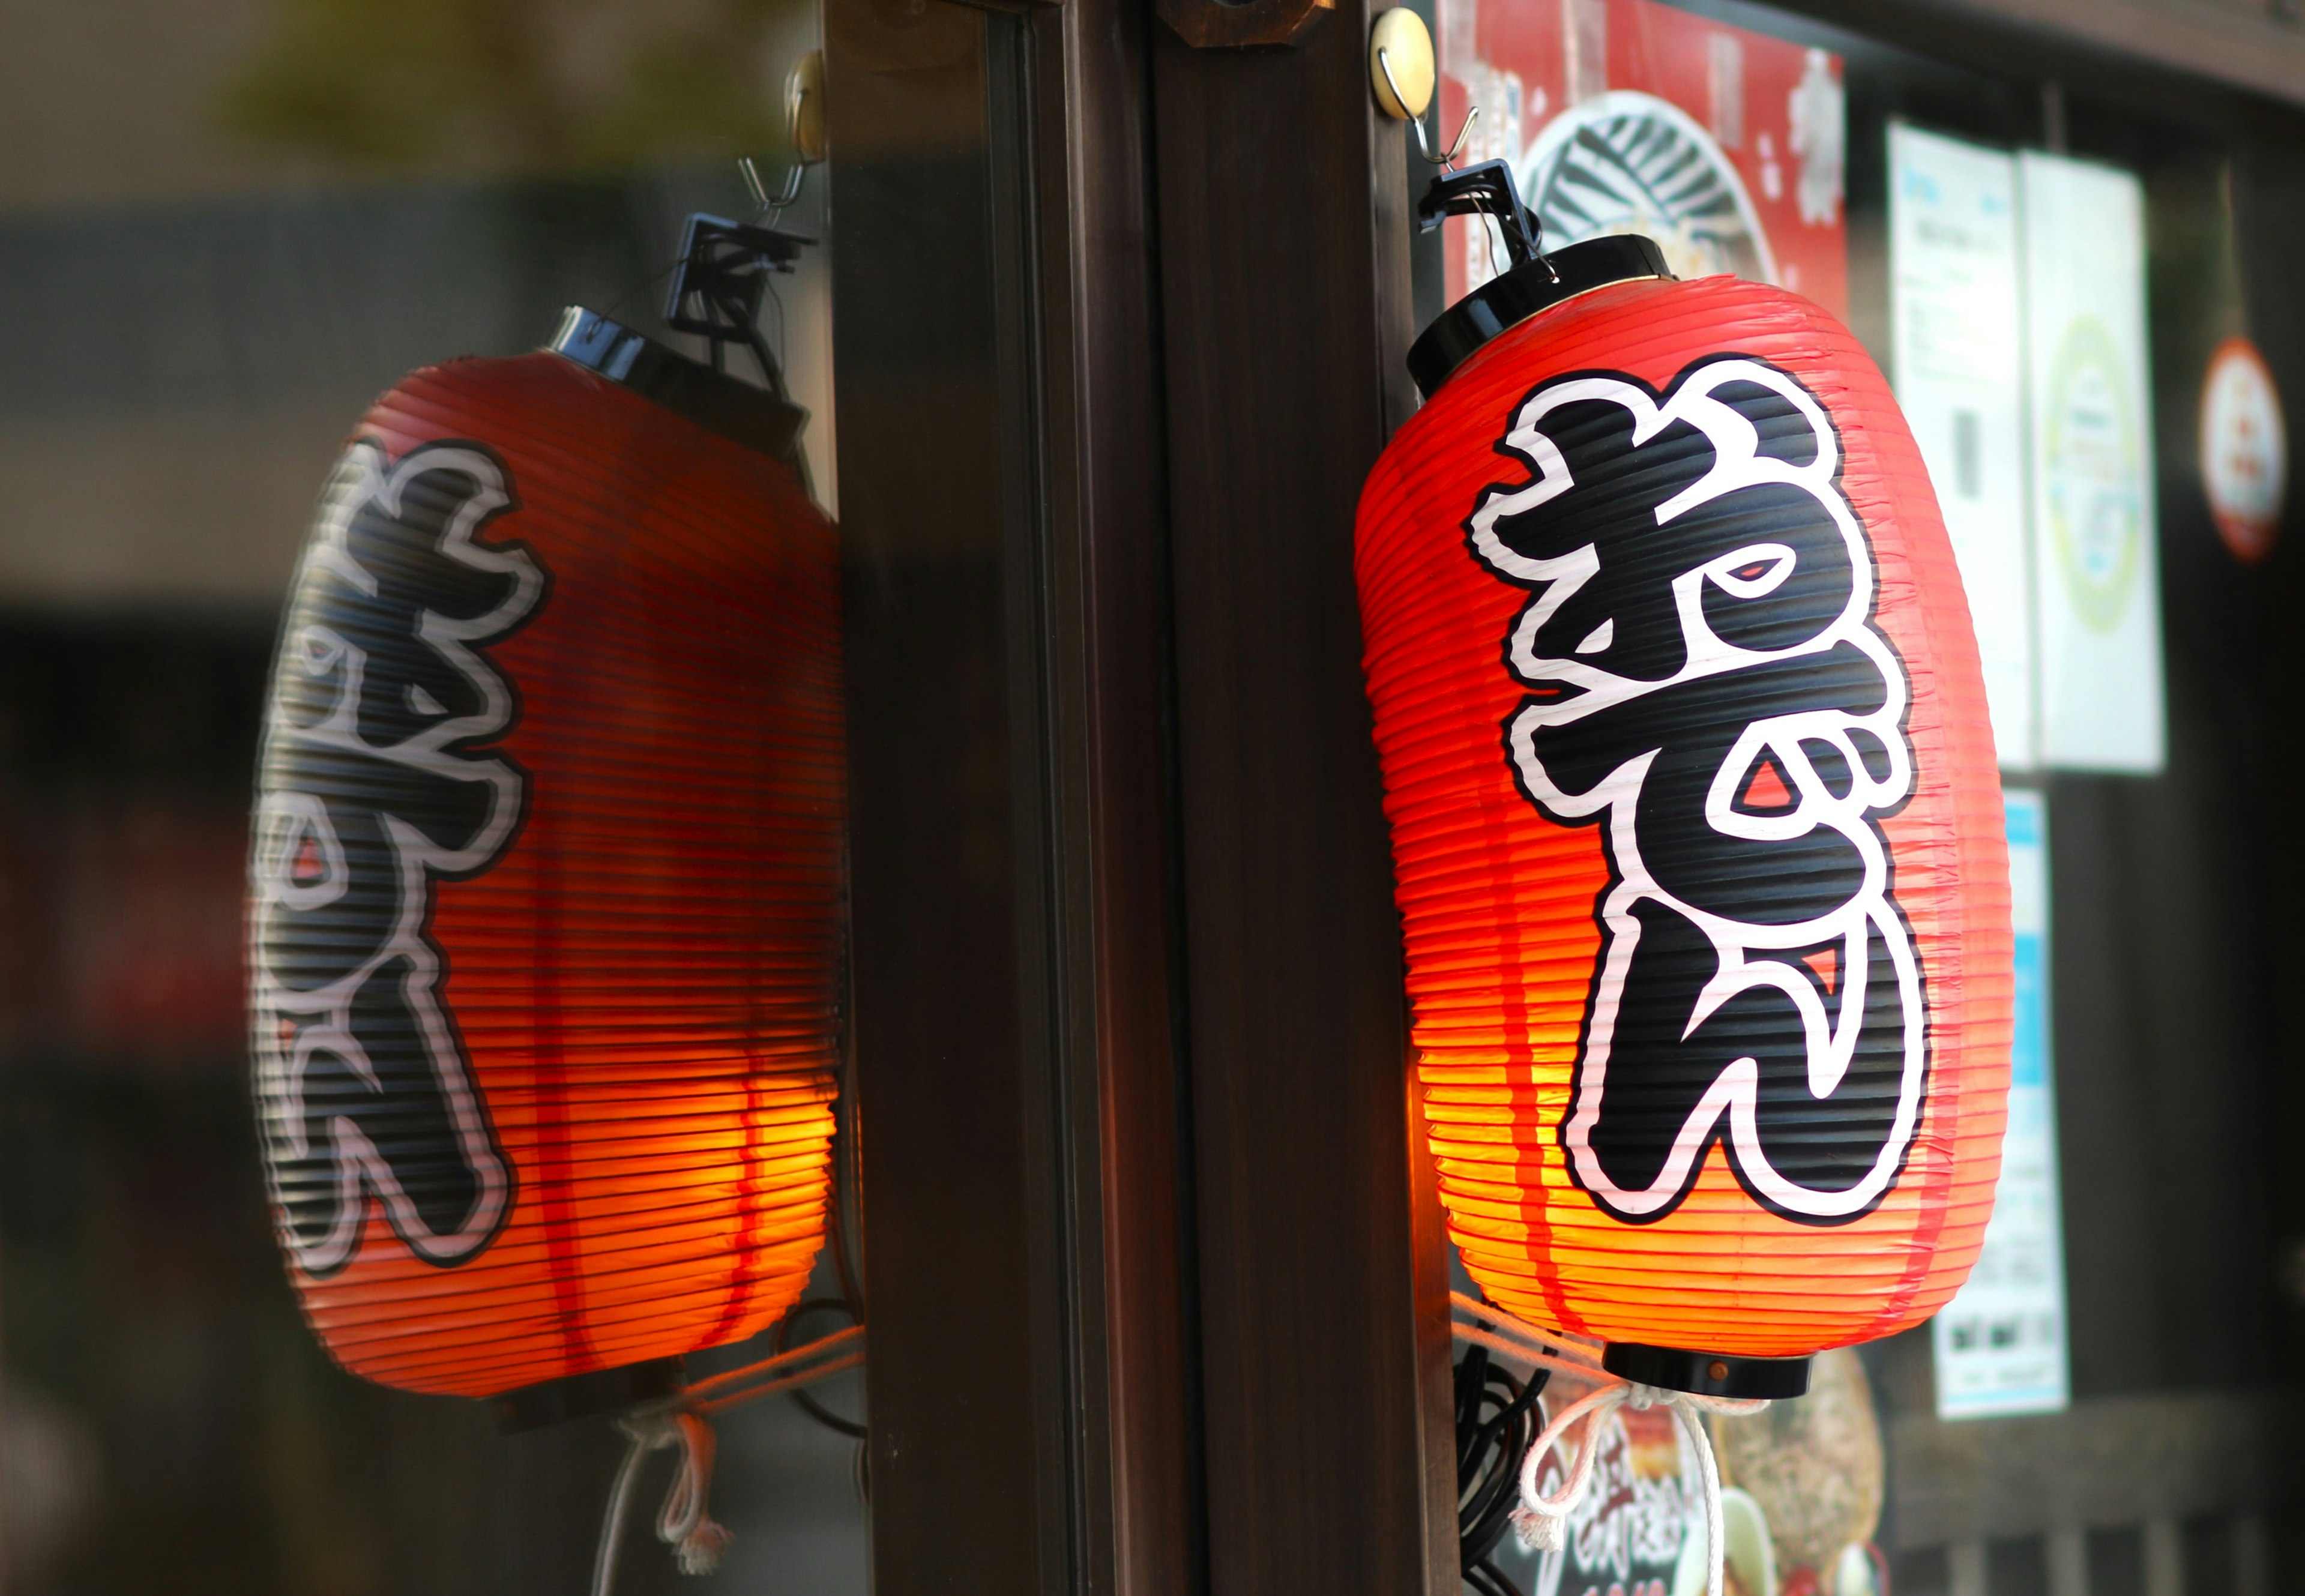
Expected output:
(718, 286)
(1487, 189)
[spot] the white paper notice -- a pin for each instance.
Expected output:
(2095, 566)
(1958, 352)
(2000, 1343)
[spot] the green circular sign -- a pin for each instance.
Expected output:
(2089, 460)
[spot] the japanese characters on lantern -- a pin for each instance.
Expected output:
(546, 876)
(1696, 827)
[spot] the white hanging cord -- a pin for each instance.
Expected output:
(686, 1521)
(1485, 1326)
(714, 1390)
(1541, 1520)
(1522, 1351)
(790, 1382)
(612, 1524)
(1582, 1352)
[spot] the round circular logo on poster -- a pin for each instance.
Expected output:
(2244, 449)
(1626, 162)
(2097, 516)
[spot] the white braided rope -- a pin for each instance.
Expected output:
(1541, 1520)
(1480, 1336)
(1579, 1350)
(685, 1523)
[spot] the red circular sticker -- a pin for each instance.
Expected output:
(2244, 449)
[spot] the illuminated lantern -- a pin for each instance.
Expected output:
(545, 877)
(1694, 816)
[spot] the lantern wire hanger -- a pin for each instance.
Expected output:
(1486, 190)
(769, 207)
(1541, 1520)
(724, 267)
(1447, 159)
(1489, 191)
(723, 274)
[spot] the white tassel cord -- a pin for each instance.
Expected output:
(1542, 1521)
(684, 1524)
(686, 1521)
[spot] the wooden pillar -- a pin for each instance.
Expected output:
(1284, 271)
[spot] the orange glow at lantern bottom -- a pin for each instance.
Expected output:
(1717, 1274)
(660, 1251)
(672, 1174)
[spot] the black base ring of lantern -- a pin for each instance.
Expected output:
(582, 1396)
(1706, 1373)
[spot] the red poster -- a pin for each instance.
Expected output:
(1724, 145)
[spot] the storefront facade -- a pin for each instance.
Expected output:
(1107, 308)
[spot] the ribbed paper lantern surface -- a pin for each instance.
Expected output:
(1696, 828)
(544, 884)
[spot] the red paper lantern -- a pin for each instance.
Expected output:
(1695, 820)
(546, 875)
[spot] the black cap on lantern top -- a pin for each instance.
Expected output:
(755, 416)
(1532, 282)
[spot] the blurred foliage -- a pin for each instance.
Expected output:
(532, 85)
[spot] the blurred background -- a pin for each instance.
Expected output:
(225, 227)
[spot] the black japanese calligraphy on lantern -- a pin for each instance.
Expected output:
(376, 786)
(1706, 685)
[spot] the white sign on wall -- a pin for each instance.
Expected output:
(2090, 428)
(2000, 1344)
(1959, 356)
(2017, 308)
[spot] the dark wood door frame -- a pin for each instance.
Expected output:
(1013, 884)
(1157, 1301)
(1284, 267)
(1102, 633)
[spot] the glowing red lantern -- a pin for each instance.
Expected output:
(545, 874)
(1695, 816)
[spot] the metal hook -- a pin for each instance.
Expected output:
(1424, 149)
(761, 190)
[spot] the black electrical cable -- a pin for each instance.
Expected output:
(850, 1302)
(1497, 1418)
(808, 1402)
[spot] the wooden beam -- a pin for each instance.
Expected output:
(2248, 47)
(1285, 305)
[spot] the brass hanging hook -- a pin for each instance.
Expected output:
(803, 124)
